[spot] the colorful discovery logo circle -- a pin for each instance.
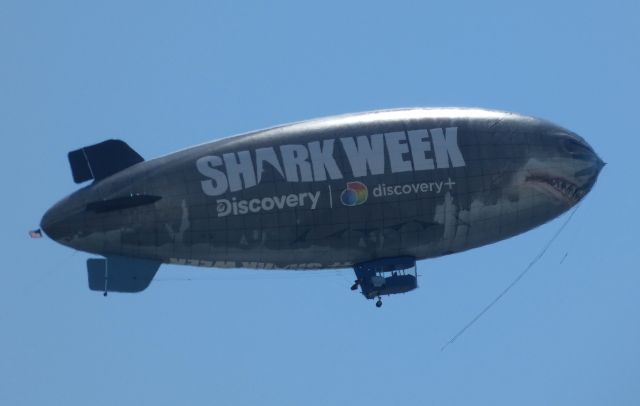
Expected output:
(355, 194)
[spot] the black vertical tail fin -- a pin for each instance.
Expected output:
(120, 274)
(102, 160)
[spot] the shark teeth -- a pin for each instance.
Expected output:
(568, 190)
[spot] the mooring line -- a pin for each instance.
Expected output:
(514, 282)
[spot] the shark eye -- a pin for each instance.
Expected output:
(575, 147)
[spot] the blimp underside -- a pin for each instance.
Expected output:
(373, 191)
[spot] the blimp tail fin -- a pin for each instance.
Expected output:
(102, 160)
(120, 274)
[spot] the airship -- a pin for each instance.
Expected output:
(374, 191)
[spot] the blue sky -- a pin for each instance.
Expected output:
(164, 76)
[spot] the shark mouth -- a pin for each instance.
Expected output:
(558, 187)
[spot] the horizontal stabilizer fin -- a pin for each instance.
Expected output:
(102, 160)
(120, 274)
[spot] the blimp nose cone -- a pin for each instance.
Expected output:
(598, 166)
(589, 173)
